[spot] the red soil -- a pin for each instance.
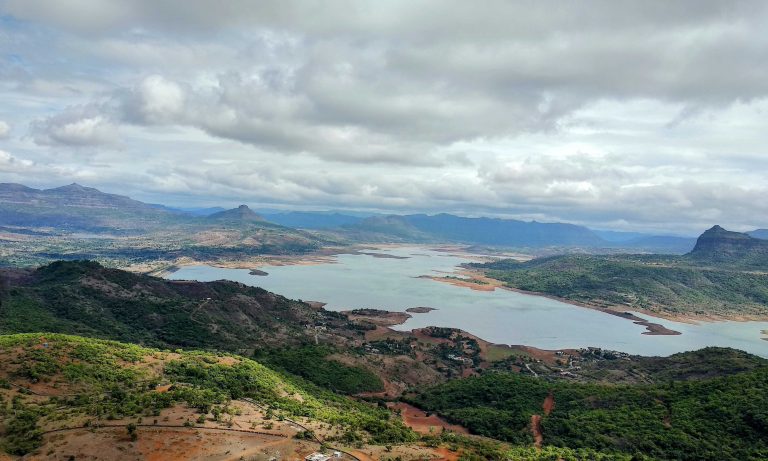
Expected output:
(421, 423)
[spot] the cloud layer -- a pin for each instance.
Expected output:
(616, 114)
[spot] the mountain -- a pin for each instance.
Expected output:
(199, 211)
(75, 207)
(77, 222)
(241, 214)
(479, 231)
(387, 228)
(106, 400)
(619, 236)
(720, 246)
(83, 297)
(312, 219)
(665, 244)
(759, 234)
(724, 275)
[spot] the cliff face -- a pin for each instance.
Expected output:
(720, 246)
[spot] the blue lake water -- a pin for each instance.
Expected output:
(500, 316)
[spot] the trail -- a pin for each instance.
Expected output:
(548, 405)
(196, 310)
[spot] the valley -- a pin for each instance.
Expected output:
(145, 332)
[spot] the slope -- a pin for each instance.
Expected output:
(74, 382)
(722, 277)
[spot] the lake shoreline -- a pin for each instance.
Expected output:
(490, 284)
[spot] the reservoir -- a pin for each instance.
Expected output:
(500, 316)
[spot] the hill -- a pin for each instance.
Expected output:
(75, 207)
(241, 214)
(722, 418)
(76, 222)
(718, 278)
(325, 347)
(481, 231)
(759, 234)
(312, 220)
(718, 246)
(70, 393)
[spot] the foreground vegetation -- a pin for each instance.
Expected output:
(107, 380)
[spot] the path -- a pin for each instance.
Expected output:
(196, 310)
(548, 405)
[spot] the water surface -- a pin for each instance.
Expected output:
(500, 316)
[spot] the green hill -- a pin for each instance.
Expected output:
(722, 276)
(67, 381)
(720, 419)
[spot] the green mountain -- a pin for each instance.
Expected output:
(722, 418)
(722, 276)
(85, 298)
(59, 382)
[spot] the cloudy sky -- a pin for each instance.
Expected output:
(616, 114)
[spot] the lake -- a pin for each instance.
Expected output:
(500, 316)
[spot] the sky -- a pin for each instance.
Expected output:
(626, 115)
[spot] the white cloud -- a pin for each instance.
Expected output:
(76, 126)
(5, 129)
(644, 114)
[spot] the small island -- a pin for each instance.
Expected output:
(420, 310)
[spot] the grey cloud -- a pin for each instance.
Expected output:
(624, 113)
(77, 126)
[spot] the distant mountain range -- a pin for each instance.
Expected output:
(312, 219)
(78, 208)
(75, 207)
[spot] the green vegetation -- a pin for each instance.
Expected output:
(85, 298)
(722, 418)
(725, 274)
(113, 380)
(311, 363)
(653, 283)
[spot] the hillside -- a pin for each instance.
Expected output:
(480, 231)
(241, 214)
(65, 394)
(718, 246)
(717, 279)
(83, 297)
(326, 347)
(712, 419)
(312, 220)
(75, 207)
(510, 233)
(76, 222)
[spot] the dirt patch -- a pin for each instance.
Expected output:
(420, 422)
(538, 437)
(444, 454)
(549, 403)
(378, 317)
